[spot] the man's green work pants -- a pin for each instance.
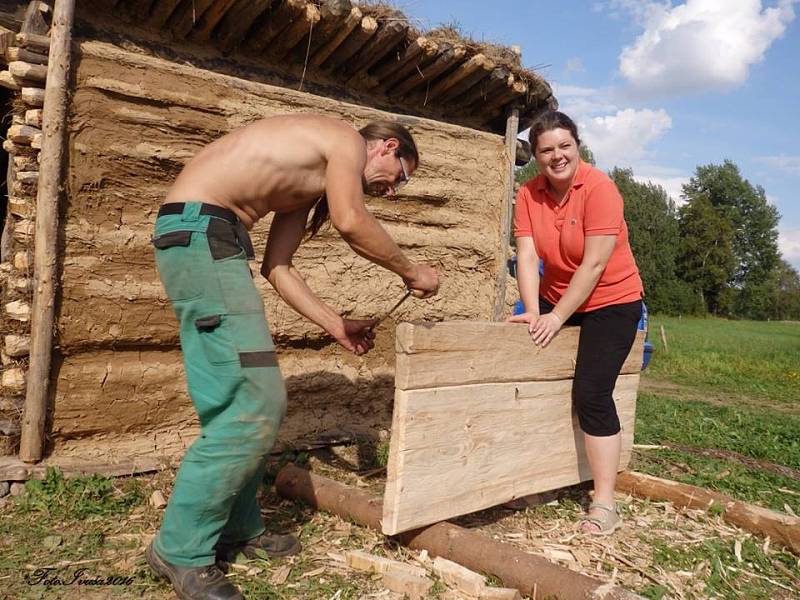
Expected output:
(233, 381)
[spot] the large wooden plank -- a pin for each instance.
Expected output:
(460, 449)
(464, 352)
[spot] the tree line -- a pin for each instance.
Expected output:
(717, 253)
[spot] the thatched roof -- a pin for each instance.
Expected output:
(370, 49)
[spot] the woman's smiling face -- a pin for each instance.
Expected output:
(557, 155)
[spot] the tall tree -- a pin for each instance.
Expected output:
(787, 296)
(705, 257)
(755, 226)
(653, 228)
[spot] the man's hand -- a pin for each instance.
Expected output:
(356, 335)
(424, 283)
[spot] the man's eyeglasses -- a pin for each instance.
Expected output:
(403, 178)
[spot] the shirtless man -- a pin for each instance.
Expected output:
(286, 165)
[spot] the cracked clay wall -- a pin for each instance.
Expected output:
(135, 120)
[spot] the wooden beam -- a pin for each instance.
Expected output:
(32, 96)
(360, 35)
(478, 63)
(237, 23)
(352, 21)
(51, 189)
(282, 15)
(299, 29)
(187, 16)
(35, 42)
(34, 21)
(161, 13)
(534, 576)
(8, 81)
(467, 352)
(415, 57)
(136, 11)
(210, 19)
(506, 213)
(22, 134)
(332, 13)
(14, 53)
(28, 71)
(382, 43)
(780, 527)
(428, 74)
(458, 449)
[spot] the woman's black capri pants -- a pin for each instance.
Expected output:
(607, 335)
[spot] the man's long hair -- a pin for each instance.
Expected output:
(376, 130)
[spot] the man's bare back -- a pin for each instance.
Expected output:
(276, 164)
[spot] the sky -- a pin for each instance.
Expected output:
(662, 87)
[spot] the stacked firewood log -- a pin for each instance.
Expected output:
(26, 56)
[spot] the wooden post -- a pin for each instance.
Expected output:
(52, 156)
(506, 214)
(664, 338)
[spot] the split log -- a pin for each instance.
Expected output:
(499, 79)
(455, 353)
(187, 16)
(15, 53)
(280, 19)
(25, 163)
(507, 213)
(382, 43)
(33, 96)
(406, 59)
(332, 13)
(34, 21)
(135, 11)
(514, 93)
(36, 142)
(33, 117)
(28, 71)
(210, 19)
(352, 21)
(21, 208)
(780, 527)
(354, 42)
(161, 13)
(8, 81)
(27, 177)
(532, 575)
(443, 62)
(22, 134)
(235, 25)
(53, 158)
(34, 42)
(477, 63)
(301, 27)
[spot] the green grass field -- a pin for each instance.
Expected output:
(724, 400)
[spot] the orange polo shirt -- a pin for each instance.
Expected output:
(592, 207)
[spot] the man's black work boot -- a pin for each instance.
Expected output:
(274, 546)
(193, 583)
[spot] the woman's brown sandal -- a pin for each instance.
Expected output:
(607, 524)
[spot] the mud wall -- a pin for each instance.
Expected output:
(135, 120)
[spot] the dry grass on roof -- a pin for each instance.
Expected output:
(502, 56)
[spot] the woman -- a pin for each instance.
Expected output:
(571, 217)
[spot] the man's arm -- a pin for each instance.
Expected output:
(350, 217)
(285, 236)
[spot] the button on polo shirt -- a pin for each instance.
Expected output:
(592, 206)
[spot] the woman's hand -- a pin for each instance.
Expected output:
(356, 335)
(545, 327)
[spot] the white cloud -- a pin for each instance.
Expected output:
(672, 180)
(621, 139)
(700, 45)
(790, 164)
(574, 65)
(789, 245)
